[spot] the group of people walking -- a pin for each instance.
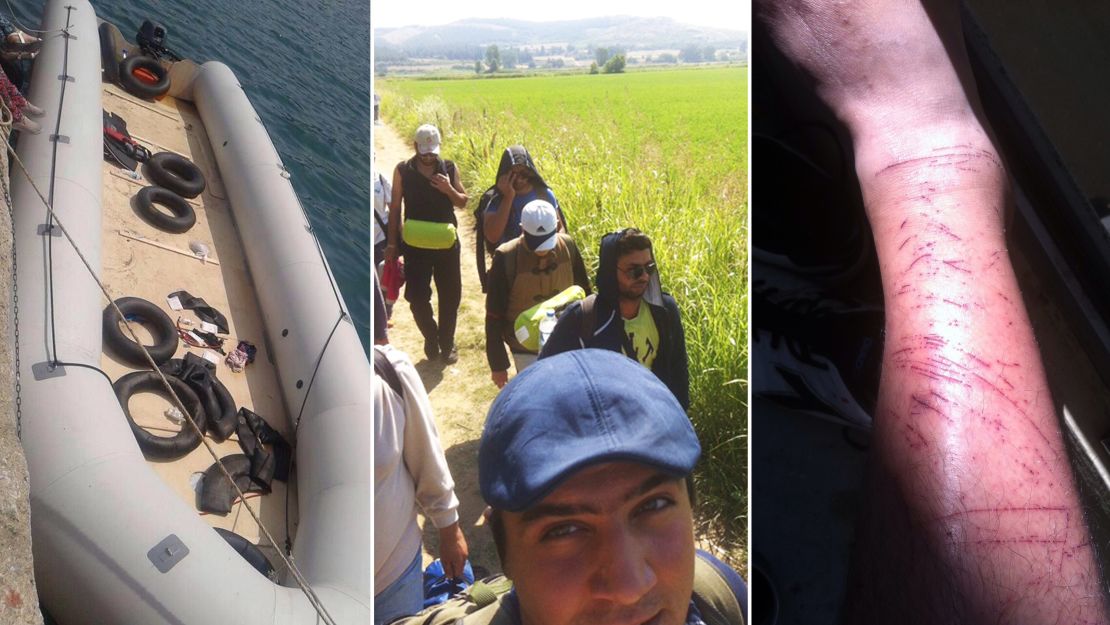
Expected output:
(602, 392)
(535, 266)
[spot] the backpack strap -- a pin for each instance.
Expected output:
(511, 259)
(589, 318)
(714, 595)
(480, 234)
(386, 371)
(482, 604)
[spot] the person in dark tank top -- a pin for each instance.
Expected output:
(422, 223)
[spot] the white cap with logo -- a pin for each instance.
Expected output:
(427, 139)
(539, 221)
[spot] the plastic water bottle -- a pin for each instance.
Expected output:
(547, 326)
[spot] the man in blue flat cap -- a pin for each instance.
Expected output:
(585, 462)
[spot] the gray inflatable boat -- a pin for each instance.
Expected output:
(117, 538)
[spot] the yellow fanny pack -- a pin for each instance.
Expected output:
(527, 324)
(428, 235)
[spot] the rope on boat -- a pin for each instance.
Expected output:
(11, 11)
(287, 560)
(55, 221)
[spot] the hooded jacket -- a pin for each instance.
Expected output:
(670, 364)
(518, 155)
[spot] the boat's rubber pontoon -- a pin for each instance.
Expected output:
(116, 538)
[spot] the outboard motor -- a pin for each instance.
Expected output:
(151, 35)
(152, 40)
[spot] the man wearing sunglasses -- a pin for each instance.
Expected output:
(629, 314)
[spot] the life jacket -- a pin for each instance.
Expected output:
(484, 602)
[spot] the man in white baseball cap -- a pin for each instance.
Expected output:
(427, 140)
(530, 269)
(426, 191)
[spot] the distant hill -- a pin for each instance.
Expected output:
(465, 38)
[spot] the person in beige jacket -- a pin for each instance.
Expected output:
(410, 469)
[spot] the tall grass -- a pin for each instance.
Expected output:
(662, 151)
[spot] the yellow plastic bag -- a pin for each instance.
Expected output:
(428, 235)
(527, 324)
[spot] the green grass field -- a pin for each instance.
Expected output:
(665, 151)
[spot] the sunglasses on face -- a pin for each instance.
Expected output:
(635, 271)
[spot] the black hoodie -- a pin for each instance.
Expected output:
(670, 364)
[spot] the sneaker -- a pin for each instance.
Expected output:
(816, 355)
(431, 349)
(28, 125)
(450, 356)
(32, 110)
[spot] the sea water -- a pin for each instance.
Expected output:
(305, 65)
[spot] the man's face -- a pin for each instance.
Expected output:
(613, 545)
(522, 178)
(627, 286)
(426, 159)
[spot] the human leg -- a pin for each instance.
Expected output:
(972, 514)
(403, 597)
(419, 264)
(448, 278)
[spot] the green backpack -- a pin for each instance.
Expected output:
(482, 604)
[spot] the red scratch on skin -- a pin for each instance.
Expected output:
(1013, 403)
(906, 288)
(940, 397)
(1013, 509)
(921, 441)
(904, 222)
(925, 404)
(978, 359)
(917, 259)
(905, 242)
(955, 264)
(13, 599)
(936, 376)
(934, 340)
(956, 304)
(994, 259)
(1020, 541)
(948, 231)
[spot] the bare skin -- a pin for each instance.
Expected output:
(452, 550)
(426, 165)
(517, 181)
(631, 290)
(972, 514)
(612, 545)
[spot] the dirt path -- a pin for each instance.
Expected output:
(460, 393)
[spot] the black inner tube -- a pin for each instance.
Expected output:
(134, 86)
(176, 173)
(157, 447)
(183, 217)
(218, 402)
(150, 316)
